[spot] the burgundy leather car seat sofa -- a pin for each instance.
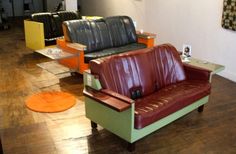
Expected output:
(136, 93)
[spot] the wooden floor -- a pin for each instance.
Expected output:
(27, 132)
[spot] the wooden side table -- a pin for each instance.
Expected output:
(57, 54)
(77, 62)
(146, 38)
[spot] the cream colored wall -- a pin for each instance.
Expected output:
(133, 8)
(178, 22)
(52, 4)
(71, 5)
(196, 23)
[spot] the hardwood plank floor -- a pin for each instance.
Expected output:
(27, 132)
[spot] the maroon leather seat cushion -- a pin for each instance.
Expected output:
(168, 100)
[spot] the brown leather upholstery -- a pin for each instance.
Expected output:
(155, 78)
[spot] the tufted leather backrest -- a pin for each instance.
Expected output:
(94, 34)
(102, 37)
(168, 66)
(57, 25)
(79, 31)
(127, 72)
(122, 30)
(46, 19)
(59, 18)
(102, 33)
(146, 70)
(67, 15)
(52, 22)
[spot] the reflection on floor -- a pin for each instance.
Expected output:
(27, 132)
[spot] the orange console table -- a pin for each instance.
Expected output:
(146, 38)
(75, 63)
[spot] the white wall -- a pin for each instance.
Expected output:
(194, 22)
(52, 4)
(133, 8)
(7, 7)
(71, 5)
(179, 22)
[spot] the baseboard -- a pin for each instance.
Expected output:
(229, 75)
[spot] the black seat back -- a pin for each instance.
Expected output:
(64, 16)
(79, 31)
(102, 37)
(53, 22)
(46, 19)
(67, 15)
(102, 33)
(57, 25)
(94, 34)
(122, 30)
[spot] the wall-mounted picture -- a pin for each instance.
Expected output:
(187, 51)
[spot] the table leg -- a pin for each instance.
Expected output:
(1, 151)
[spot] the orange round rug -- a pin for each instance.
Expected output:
(49, 102)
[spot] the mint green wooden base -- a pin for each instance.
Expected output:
(122, 123)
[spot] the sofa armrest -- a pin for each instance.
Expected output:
(107, 100)
(196, 73)
(146, 38)
(145, 35)
(77, 62)
(117, 95)
(77, 46)
(71, 47)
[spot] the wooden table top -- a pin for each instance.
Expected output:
(215, 68)
(55, 53)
